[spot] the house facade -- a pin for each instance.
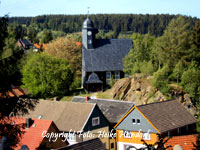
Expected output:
(102, 57)
(168, 118)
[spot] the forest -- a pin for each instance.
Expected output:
(119, 23)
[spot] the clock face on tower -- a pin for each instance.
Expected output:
(89, 33)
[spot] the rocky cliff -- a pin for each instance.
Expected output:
(140, 90)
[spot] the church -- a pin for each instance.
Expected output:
(102, 59)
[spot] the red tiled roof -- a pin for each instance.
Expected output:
(33, 135)
(186, 141)
(78, 44)
(44, 46)
(14, 92)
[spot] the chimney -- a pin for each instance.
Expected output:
(86, 99)
(28, 122)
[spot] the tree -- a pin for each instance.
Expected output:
(190, 81)
(160, 79)
(141, 52)
(45, 36)
(46, 76)
(66, 48)
(195, 43)
(159, 145)
(3, 33)
(174, 44)
(69, 49)
(10, 134)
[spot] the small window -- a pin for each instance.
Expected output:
(117, 75)
(138, 121)
(112, 145)
(133, 121)
(127, 134)
(95, 121)
(108, 77)
(146, 136)
(90, 41)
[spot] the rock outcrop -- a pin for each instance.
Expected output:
(140, 90)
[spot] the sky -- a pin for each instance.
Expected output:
(69, 7)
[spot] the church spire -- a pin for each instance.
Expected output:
(88, 12)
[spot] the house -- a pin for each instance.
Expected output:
(102, 59)
(24, 43)
(113, 110)
(32, 137)
(186, 142)
(93, 144)
(79, 121)
(167, 118)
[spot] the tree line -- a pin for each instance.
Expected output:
(153, 24)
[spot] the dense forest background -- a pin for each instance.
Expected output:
(126, 23)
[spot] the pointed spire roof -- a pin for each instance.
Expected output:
(88, 24)
(93, 78)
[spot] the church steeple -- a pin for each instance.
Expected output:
(88, 34)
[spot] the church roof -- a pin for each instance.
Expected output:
(107, 55)
(88, 24)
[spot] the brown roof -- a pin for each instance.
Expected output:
(167, 115)
(94, 144)
(66, 115)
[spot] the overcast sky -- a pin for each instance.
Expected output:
(41, 7)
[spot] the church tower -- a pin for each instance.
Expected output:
(88, 34)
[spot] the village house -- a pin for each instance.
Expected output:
(80, 122)
(24, 44)
(167, 118)
(113, 110)
(32, 137)
(102, 59)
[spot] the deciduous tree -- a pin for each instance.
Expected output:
(46, 76)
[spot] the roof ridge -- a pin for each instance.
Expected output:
(106, 99)
(71, 102)
(195, 134)
(157, 102)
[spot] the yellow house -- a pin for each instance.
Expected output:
(144, 122)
